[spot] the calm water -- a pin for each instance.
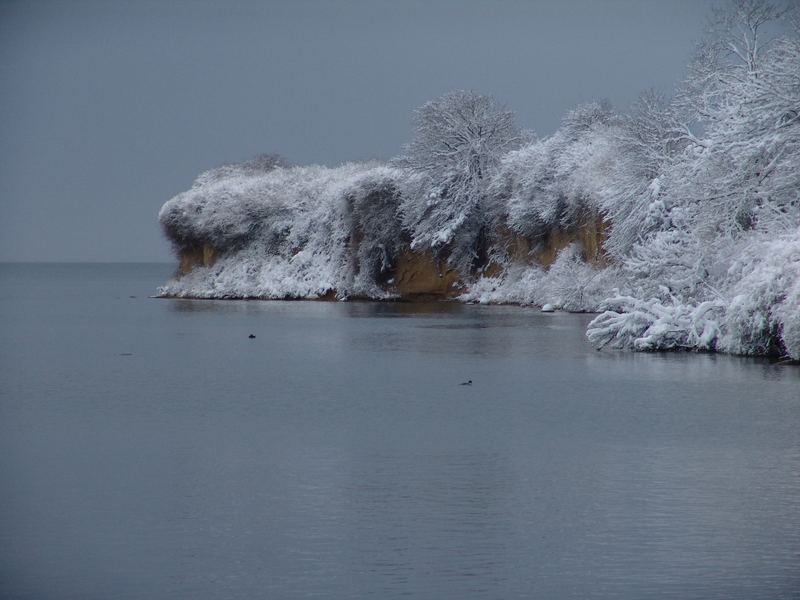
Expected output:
(149, 449)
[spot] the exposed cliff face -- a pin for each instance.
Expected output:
(189, 258)
(590, 233)
(423, 276)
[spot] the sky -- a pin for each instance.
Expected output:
(109, 108)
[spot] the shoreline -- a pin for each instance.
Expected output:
(328, 298)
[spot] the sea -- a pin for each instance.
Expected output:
(152, 448)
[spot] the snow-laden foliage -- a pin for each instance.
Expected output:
(569, 284)
(759, 314)
(288, 232)
(524, 182)
(456, 148)
(714, 220)
(633, 199)
(262, 163)
(655, 325)
(555, 181)
(763, 310)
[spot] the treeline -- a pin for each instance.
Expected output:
(695, 197)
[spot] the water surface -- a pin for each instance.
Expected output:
(149, 449)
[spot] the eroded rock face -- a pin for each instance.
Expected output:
(590, 233)
(421, 276)
(189, 258)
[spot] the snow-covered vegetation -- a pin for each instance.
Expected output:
(678, 221)
(288, 232)
(710, 245)
(459, 141)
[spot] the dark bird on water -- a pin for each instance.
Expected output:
(251, 336)
(469, 382)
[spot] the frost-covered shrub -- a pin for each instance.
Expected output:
(763, 315)
(378, 236)
(584, 160)
(517, 285)
(756, 312)
(227, 210)
(289, 232)
(263, 163)
(572, 284)
(787, 313)
(525, 184)
(555, 182)
(628, 322)
(671, 262)
(569, 284)
(248, 273)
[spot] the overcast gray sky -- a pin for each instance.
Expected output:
(109, 108)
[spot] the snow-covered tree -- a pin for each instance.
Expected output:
(558, 181)
(728, 203)
(583, 160)
(648, 140)
(458, 142)
(743, 89)
(524, 183)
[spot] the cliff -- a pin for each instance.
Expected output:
(188, 258)
(420, 276)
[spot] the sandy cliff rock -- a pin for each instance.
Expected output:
(189, 258)
(421, 276)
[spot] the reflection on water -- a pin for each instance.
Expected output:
(402, 309)
(149, 448)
